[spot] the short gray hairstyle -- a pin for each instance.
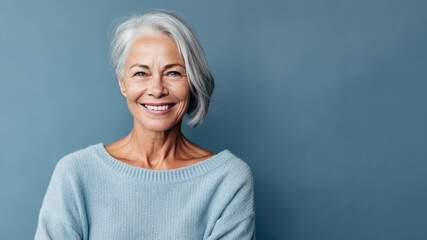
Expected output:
(199, 75)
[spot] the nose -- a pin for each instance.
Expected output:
(157, 88)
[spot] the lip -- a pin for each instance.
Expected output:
(158, 112)
(158, 104)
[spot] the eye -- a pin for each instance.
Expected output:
(173, 74)
(140, 74)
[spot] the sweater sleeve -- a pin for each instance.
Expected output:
(52, 229)
(61, 211)
(238, 219)
(240, 229)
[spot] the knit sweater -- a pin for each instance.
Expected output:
(92, 195)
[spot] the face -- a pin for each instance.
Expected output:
(155, 82)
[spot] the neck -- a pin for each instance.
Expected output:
(152, 145)
(153, 150)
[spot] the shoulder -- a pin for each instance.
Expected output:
(72, 163)
(236, 188)
(235, 167)
(236, 162)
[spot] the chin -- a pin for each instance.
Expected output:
(158, 126)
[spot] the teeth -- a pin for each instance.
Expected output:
(158, 108)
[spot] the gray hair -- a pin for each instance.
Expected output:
(199, 76)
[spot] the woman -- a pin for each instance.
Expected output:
(153, 183)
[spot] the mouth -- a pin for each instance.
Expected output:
(158, 107)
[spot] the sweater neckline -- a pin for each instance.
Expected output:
(171, 175)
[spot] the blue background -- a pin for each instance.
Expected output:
(325, 100)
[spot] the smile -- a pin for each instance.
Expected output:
(158, 108)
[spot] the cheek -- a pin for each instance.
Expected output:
(134, 91)
(182, 91)
(184, 97)
(186, 94)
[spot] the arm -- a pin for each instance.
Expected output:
(53, 229)
(241, 228)
(237, 222)
(60, 211)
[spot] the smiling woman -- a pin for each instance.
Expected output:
(155, 82)
(154, 183)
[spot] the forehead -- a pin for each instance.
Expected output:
(152, 45)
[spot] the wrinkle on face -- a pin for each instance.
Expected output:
(155, 54)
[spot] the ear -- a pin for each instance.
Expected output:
(121, 85)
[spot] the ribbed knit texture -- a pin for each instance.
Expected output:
(92, 195)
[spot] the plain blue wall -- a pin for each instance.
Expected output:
(325, 100)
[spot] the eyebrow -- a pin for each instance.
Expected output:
(140, 65)
(173, 65)
(166, 67)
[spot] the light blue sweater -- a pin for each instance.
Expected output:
(92, 195)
